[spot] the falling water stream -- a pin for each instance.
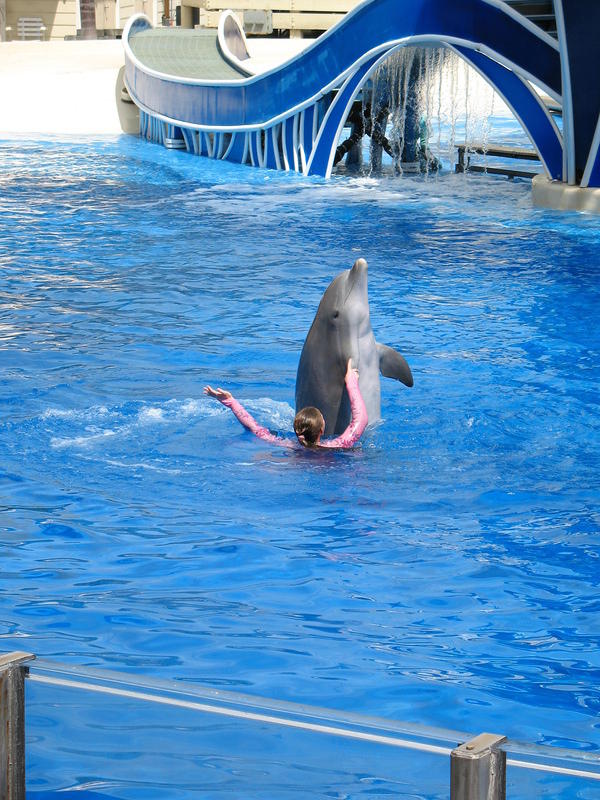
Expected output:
(425, 101)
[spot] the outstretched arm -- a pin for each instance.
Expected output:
(247, 420)
(360, 417)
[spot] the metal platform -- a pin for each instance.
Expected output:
(540, 12)
(496, 151)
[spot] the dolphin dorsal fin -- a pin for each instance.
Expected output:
(393, 365)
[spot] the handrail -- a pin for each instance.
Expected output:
(478, 764)
(233, 704)
(544, 758)
(318, 720)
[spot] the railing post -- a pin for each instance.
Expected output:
(478, 769)
(12, 725)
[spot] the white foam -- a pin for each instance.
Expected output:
(179, 410)
(191, 407)
(141, 465)
(80, 441)
(172, 411)
(150, 415)
(76, 413)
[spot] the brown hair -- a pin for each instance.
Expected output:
(308, 423)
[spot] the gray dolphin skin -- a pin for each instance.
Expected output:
(341, 330)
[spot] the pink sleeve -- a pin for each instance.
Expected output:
(359, 417)
(249, 422)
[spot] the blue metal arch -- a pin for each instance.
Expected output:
(524, 102)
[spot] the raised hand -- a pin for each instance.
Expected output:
(219, 394)
(351, 369)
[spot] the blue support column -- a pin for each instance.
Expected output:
(188, 138)
(202, 143)
(272, 148)
(237, 148)
(308, 131)
(254, 154)
(578, 23)
(290, 149)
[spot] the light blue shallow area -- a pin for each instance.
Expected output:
(446, 572)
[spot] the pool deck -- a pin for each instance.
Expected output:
(60, 87)
(53, 88)
(187, 53)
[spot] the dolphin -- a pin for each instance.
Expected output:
(341, 330)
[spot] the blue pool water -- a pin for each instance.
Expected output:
(446, 572)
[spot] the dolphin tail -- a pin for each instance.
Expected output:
(393, 365)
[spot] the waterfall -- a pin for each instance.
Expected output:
(415, 108)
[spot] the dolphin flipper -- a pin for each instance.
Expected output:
(393, 365)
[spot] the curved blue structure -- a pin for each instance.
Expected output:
(291, 117)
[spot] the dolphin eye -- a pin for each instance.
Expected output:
(336, 314)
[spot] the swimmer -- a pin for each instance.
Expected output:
(309, 424)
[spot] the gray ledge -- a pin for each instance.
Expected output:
(562, 197)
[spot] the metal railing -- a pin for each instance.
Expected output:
(477, 763)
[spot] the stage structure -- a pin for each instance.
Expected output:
(195, 90)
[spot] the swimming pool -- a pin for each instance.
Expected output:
(446, 572)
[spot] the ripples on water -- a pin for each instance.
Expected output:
(446, 572)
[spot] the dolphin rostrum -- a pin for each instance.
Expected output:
(341, 330)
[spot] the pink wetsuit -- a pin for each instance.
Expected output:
(346, 439)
